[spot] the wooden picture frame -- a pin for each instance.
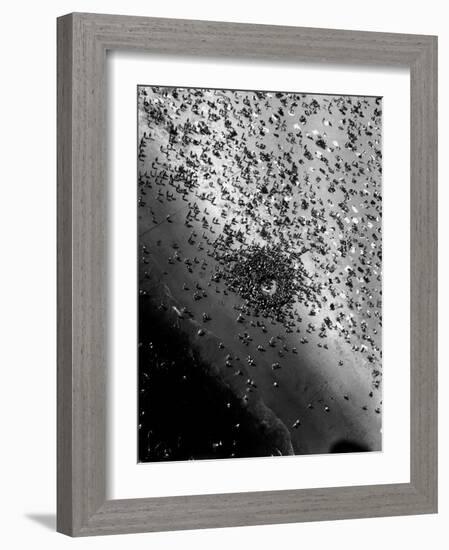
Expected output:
(83, 40)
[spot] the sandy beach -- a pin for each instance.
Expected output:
(314, 393)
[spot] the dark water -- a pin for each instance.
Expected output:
(185, 411)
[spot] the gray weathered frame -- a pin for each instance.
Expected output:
(83, 40)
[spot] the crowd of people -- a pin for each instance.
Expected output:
(280, 198)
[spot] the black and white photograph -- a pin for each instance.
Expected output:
(222, 240)
(260, 273)
(220, 288)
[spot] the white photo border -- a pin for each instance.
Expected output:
(127, 478)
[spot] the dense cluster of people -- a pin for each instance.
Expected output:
(279, 198)
(265, 277)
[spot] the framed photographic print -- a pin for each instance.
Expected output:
(246, 274)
